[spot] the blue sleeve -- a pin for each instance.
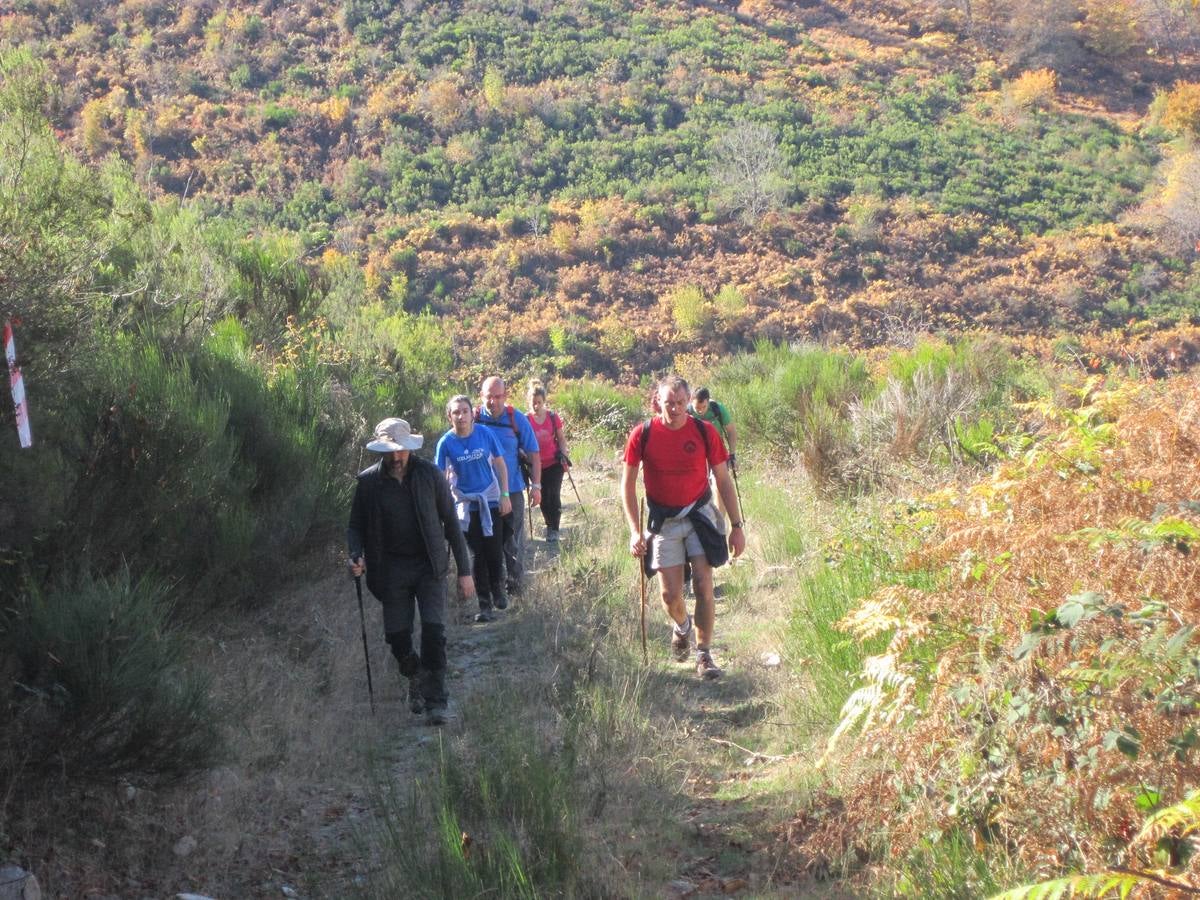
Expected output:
(439, 455)
(528, 442)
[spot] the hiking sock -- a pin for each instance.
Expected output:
(686, 630)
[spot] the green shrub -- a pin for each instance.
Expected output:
(197, 463)
(598, 406)
(105, 686)
(691, 311)
(730, 303)
(275, 116)
(795, 399)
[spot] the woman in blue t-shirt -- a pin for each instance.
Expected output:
(474, 463)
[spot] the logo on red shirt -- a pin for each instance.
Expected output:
(689, 447)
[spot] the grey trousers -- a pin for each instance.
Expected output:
(514, 542)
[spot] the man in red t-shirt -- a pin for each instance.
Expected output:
(675, 452)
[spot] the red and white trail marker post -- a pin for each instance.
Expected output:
(17, 384)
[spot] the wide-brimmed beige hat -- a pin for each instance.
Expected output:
(394, 434)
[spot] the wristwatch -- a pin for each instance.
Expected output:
(736, 524)
(535, 486)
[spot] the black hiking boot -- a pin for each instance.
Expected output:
(416, 702)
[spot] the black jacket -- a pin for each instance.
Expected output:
(436, 519)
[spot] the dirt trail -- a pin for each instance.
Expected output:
(289, 817)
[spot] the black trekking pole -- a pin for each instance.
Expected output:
(738, 488)
(571, 478)
(362, 618)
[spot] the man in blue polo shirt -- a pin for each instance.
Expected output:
(511, 427)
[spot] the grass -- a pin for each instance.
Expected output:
(948, 866)
(554, 748)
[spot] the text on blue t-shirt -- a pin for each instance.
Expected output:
(470, 457)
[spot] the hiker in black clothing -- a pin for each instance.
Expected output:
(401, 520)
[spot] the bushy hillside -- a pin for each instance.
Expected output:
(596, 178)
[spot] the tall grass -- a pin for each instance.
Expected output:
(498, 818)
(789, 398)
(852, 425)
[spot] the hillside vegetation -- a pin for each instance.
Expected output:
(599, 182)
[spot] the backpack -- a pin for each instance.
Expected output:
(645, 436)
(522, 458)
(718, 419)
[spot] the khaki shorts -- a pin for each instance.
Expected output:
(678, 541)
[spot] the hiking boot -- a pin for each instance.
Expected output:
(485, 615)
(681, 645)
(705, 667)
(416, 702)
(552, 536)
(500, 601)
(437, 715)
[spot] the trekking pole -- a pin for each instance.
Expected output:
(362, 618)
(738, 488)
(642, 570)
(529, 512)
(582, 508)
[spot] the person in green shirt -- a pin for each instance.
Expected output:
(704, 407)
(709, 410)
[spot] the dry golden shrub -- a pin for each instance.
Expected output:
(1181, 109)
(1033, 90)
(1042, 529)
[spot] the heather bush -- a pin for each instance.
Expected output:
(106, 688)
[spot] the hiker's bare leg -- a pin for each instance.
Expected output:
(702, 587)
(672, 593)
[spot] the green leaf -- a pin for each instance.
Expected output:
(1070, 613)
(1127, 741)
(1148, 800)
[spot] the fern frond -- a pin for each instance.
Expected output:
(1181, 819)
(887, 687)
(1098, 886)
